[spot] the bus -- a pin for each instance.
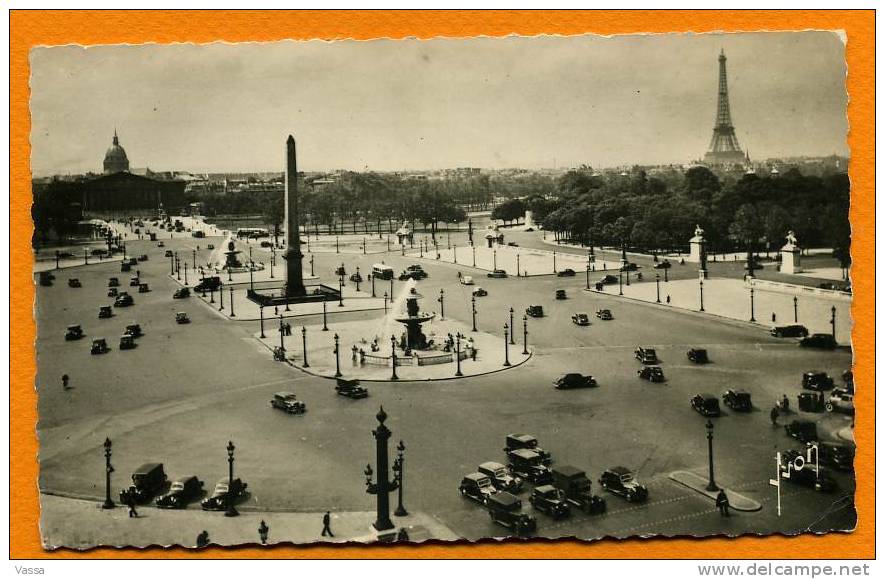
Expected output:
(252, 232)
(381, 271)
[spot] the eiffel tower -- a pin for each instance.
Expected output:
(724, 147)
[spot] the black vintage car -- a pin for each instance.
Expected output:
(646, 355)
(113, 292)
(74, 282)
(350, 389)
(651, 373)
(791, 331)
(581, 319)
(181, 293)
(506, 510)
(822, 341)
(573, 482)
(515, 441)
(608, 279)
(147, 480)
(123, 300)
(574, 380)
(698, 356)
(477, 486)
(802, 430)
(629, 266)
(208, 284)
(105, 312)
(74, 332)
(133, 330)
(604, 314)
(550, 501)
(620, 481)
(288, 402)
(356, 277)
(739, 400)
(417, 272)
(819, 381)
(500, 477)
(182, 318)
(568, 272)
(663, 265)
(224, 492)
(127, 342)
(500, 273)
(560, 294)
(134, 281)
(818, 479)
(706, 404)
(837, 456)
(124, 267)
(114, 282)
(528, 465)
(182, 491)
(535, 311)
(99, 346)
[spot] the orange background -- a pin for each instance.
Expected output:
(29, 28)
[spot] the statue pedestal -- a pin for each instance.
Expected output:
(529, 221)
(697, 248)
(790, 261)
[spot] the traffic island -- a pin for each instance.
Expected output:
(697, 483)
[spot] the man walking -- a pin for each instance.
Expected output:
(327, 530)
(130, 501)
(263, 529)
(722, 503)
(64, 381)
(774, 415)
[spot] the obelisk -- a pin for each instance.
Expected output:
(294, 278)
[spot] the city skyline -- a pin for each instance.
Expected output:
(390, 105)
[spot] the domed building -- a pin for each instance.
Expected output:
(115, 160)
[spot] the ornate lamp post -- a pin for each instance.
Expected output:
(195, 257)
(383, 486)
(525, 335)
(364, 246)
(232, 314)
(473, 311)
(221, 297)
(711, 486)
(554, 262)
(833, 320)
(512, 334)
(231, 511)
(108, 469)
(752, 305)
(251, 270)
(620, 283)
(666, 278)
(336, 245)
(273, 258)
(506, 345)
(588, 275)
(385, 303)
(421, 248)
(261, 318)
(311, 265)
(517, 264)
(795, 310)
(304, 345)
(494, 259)
(171, 263)
(701, 287)
(458, 354)
(442, 305)
(372, 277)
(341, 291)
(398, 471)
(337, 358)
(658, 287)
(393, 375)
(473, 247)
(282, 335)
(325, 327)
(177, 267)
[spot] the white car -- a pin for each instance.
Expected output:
(840, 401)
(466, 280)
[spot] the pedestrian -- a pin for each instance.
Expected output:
(263, 529)
(773, 317)
(774, 415)
(327, 530)
(403, 535)
(722, 503)
(64, 381)
(130, 501)
(203, 539)
(288, 329)
(668, 298)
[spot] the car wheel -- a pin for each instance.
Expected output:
(830, 407)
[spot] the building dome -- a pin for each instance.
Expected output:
(115, 160)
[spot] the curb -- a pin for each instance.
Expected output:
(743, 503)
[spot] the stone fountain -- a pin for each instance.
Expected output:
(414, 338)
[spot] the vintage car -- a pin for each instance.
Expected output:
(46, 278)
(105, 312)
(561, 295)
(127, 342)
(168, 252)
(705, 403)
(407, 275)
(568, 272)
(74, 332)
(99, 346)
(181, 293)
(651, 373)
(620, 481)
(837, 456)
(514, 441)
(790, 331)
(114, 282)
(182, 318)
(133, 261)
(143, 288)
(477, 486)
(356, 277)
(581, 319)
(74, 282)
(288, 402)
(698, 356)
(223, 493)
(350, 389)
(608, 279)
(823, 341)
(802, 430)
(646, 355)
(604, 315)
(264, 243)
(550, 500)
(528, 465)
(142, 257)
(500, 477)
(512, 244)
(123, 300)
(663, 265)
(629, 266)
(147, 480)
(739, 400)
(840, 401)
(124, 267)
(500, 273)
(182, 491)
(133, 330)
(208, 284)
(161, 244)
(573, 482)
(506, 510)
(535, 311)
(818, 479)
(113, 292)
(210, 246)
(480, 292)
(466, 280)
(418, 270)
(574, 380)
(819, 381)
(134, 281)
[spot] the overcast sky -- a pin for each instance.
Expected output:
(390, 105)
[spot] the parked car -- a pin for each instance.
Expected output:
(46, 278)
(168, 252)
(114, 282)
(568, 272)
(497, 273)
(528, 465)
(182, 491)
(560, 294)
(818, 479)
(182, 318)
(836, 455)
(791, 331)
(651, 373)
(287, 402)
(739, 400)
(143, 288)
(480, 292)
(574, 380)
(840, 401)
(698, 356)
(500, 477)
(181, 293)
(802, 430)
(407, 275)
(629, 266)
(210, 246)
(823, 341)
(506, 510)
(581, 319)
(74, 332)
(133, 330)
(134, 281)
(127, 342)
(113, 292)
(573, 482)
(417, 271)
(550, 500)
(223, 493)
(478, 487)
(124, 267)
(123, 300)
(608, 279)
(663, 265)
(147, 480)
(143, 257)
(466, 280)
(646, 355)
(535, 311)
(818, 381)
(99, 346)
(515, 441)
(620, 480)
(350, 389)
(604, 315)
(105, 312)
(208, 284)
(74, 282)
(706, 404)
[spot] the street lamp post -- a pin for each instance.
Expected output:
(513, 333)
(473, 311)
(382, 486)
(177, 267)
(171, 264)
(385, 303)
(195, 256)
(442, 305)
(620, 283)
(282, 335)
(185, 273)
(261, 317)
(221, 297)
(390, 295)
(833, 320)
(325, 327)
(658, 288)
(525, 335)
(517, 264)
(357, 278)
(588, 276)
(108, 469)
(393, 375)
(752, 305)
(666, 278)
(506, 345)
(304, 345)
(795, 310)
(341, 291)
(494, 259)
(372, 277)
(711, 486)
(554, 262)
(473, 247)
(232, 314)
(701, 288)
(336, 245)
(398, 469)
(458, 354)
(231, 511)
(311, 265)
(337, 358)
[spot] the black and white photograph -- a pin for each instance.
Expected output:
(454, 289)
